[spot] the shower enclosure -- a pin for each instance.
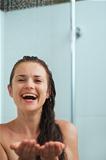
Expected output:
(70, 36)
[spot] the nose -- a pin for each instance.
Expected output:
(29, 84)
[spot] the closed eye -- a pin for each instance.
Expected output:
(37, 81)
(21, 80)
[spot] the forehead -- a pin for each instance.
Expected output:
(33, 68)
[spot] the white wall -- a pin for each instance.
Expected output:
(1, 52)
(42, 32)
(90, 106)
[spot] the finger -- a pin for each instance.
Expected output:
(42, 153)
(21, 149)
(34, 150)
(55, 148)
(49, 150)
(52, 151)
(59, 148)
(45, 151)
(37, 149)
(28, 149)
(15, 145)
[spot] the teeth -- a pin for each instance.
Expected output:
(28, 94)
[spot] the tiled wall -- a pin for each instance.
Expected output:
(1, 52)
(42, 32)
(91, 79)
(0, 56)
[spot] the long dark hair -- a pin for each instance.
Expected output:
(49, 130)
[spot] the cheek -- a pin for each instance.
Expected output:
(15, 90)
(43, 89)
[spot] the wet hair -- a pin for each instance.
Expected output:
(49, 130)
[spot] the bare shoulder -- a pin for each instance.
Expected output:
(67, 128)
(2, 139)
(2, 128)
(3, 131)
(6, 138)
(5, 126)
(3, 154)
(70, 136)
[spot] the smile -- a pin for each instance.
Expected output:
(29, 96)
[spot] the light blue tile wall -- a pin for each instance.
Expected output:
(92, 135)
(1, 52)
(45, 32)
(0, 58)
(91, 79)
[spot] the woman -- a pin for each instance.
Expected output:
(35, 134)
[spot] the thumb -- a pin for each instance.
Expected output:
(15, 145)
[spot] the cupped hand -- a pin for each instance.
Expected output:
(27, 149)
(51, 150)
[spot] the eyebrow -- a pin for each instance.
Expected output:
(23, 75)
(20, 75)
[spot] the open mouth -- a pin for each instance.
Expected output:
(29, 96)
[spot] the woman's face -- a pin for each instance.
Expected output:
(29, 86)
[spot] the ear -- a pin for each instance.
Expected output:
(48, 93)
(10, 90)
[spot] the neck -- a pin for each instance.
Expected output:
(28, 123)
